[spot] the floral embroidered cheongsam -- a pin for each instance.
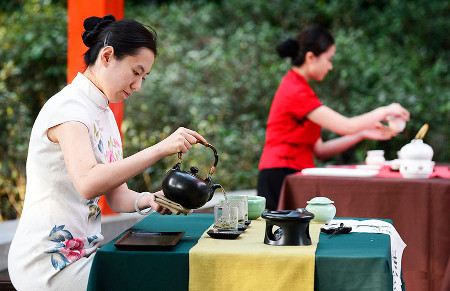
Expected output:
(59, 230)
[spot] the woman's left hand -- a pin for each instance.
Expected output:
(158, 208)
(380, 132)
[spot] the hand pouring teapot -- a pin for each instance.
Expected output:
(187, 188)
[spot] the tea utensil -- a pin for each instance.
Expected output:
(422, 131)
(341, 226)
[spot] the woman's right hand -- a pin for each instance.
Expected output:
(396, 109)
(180, 141)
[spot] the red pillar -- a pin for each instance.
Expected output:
(78, 11)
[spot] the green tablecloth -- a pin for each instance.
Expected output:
(357, 261)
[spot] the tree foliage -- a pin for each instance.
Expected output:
(33, 49)
(218, 71)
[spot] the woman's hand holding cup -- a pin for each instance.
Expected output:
(397, 111)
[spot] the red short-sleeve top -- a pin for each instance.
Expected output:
(290, 136)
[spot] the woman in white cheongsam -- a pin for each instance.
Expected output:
(75, 156)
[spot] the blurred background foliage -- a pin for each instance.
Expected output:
(218, 71)
(33, 49)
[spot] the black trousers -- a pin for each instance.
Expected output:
(269, 185)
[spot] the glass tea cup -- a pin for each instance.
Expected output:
(241, 202)
(226, 218)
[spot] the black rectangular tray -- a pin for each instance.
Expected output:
(136, 240)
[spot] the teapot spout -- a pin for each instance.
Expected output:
(213, 189)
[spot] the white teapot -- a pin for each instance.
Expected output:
(416, 160)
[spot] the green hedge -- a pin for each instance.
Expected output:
(33, 57)
(218, 71)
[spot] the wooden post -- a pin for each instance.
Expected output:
(78, 11)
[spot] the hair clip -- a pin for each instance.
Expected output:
(105, 43)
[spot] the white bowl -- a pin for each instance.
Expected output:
(416, 169)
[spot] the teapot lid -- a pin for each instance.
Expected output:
(416, 150)
(320, 200)
(287, 215)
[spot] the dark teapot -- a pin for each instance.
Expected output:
(187, 188)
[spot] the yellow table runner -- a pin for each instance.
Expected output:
(246, 263)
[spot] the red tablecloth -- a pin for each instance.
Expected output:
(419, 209)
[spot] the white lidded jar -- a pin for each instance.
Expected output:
(416, 160)
(375, 157)
(323, 209)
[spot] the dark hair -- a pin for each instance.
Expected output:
(313, 39)
(126, 36)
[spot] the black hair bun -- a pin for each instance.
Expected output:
(93, 26)
(288, 48)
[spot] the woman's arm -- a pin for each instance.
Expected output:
(92, 179)
(334, 121)
(122, 199)
(323, 150)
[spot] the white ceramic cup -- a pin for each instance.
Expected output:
(375, 157)
(396, 123)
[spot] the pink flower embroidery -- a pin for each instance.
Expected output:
(110, 156)
(67, 249)
(116, 143)
(73, 249)
(74, 244)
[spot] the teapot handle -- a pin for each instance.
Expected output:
(216, 157)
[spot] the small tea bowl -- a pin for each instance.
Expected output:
(256, 205)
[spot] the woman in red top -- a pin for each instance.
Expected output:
(297, 116)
